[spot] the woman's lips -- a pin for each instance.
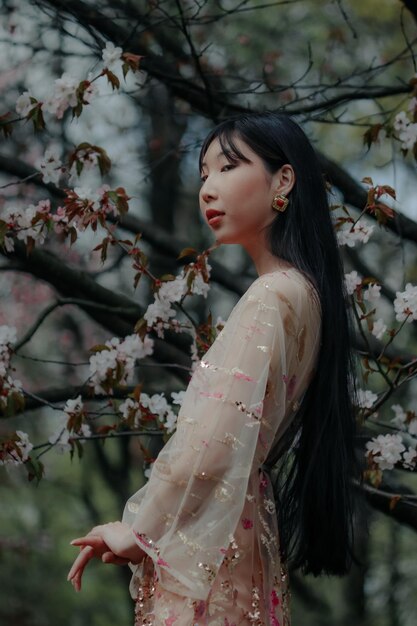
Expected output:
(213, 216)
(215, 220)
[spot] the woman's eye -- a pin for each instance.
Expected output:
(227, 167)
(203, 178)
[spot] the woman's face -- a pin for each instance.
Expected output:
(243, 191)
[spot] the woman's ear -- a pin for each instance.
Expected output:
(284, 179)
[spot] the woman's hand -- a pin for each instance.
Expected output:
(112, 543)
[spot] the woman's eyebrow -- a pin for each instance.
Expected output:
(221, 154)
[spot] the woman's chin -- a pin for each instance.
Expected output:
(224, 238)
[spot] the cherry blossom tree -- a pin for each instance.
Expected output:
(74, 233)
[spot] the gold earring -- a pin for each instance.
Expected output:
(280, 202)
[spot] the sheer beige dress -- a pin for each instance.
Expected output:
(206, 517)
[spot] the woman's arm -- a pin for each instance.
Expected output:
(184, 516)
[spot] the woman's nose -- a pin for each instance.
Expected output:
(208, 193)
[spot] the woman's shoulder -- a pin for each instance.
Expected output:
(291, 283)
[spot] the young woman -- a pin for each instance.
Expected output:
(259, 471)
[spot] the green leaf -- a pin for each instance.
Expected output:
(35, 469)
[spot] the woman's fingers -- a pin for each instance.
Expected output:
(76, 581)
(110, 557)
(91, 540)
(85, 555)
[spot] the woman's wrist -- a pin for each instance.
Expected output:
(131, 550)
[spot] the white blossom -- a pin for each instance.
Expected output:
(74, 406)
(24, 226)
(84, 431)
(64, 96)
(170, 421)
(363, 232)
(177, 397)
(408, 136)
(386, 450)
(11, 386)
(405, 303)
(14, 458)
(173, 290)
(65, 89)
(348, 236)
(352, 280)
(51, 166)
(7, 339)
(21, 222)
(55, 106)
(159, 309)
(101, 363)
(124, 353)
(60, 439)
(24, 444)
(158, 405)
(400, 415)
(111, 55)
(401, 121)
(85, 193)
(199, 286)
(23, 104)
(129, 406)
(366, 398)
(8, 335)
(372, 294)
(400, 420)
(410, 458)
(8, 243)
(379, 328)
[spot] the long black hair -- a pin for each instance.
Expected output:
(316, 465)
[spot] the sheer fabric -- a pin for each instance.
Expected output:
(206, 517)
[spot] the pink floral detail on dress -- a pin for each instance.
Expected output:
(227, 623)
(262, 441)
(258, 408)
(247, 523)
(219, 394)
(262, 483)
(171, 619)
(274, 602)
(223, 550)
(199, 608)
(162, 562)
(243, 376)
(141, 537)
(290, 382)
